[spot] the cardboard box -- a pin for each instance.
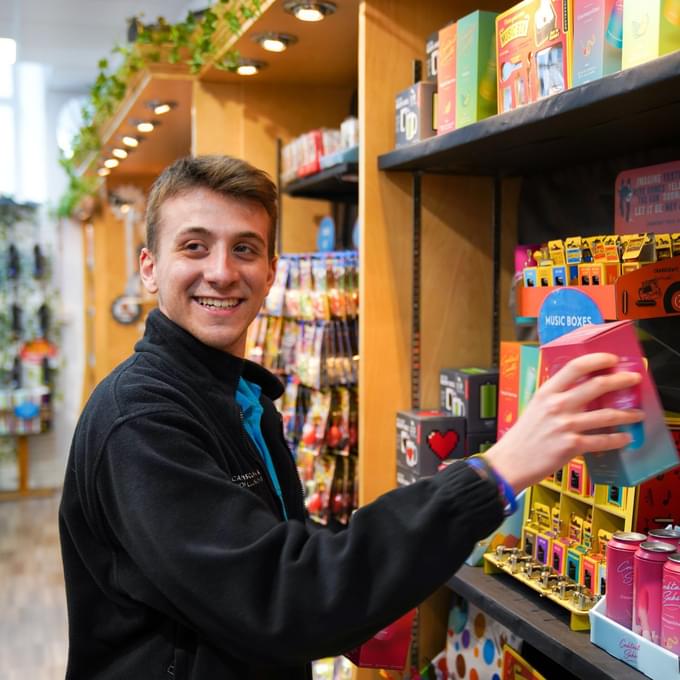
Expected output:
(528, 379)
(427, 438)
(598, 38)
(414, 121)
(652, 450)
(432, 57)
(471, 393)
(534, 51)
(446, 79)
(508, 386)
(476, 68)
(651, 28)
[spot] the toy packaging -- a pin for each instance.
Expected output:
(414, 121)
(432, 57)
(652, 450)
(534, 51)
(651, 28)
(471, 393)
(598, 38)
(446, 79)
(509, 380)
(476, 68)
(425, 439)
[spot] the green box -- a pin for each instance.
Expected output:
(529, 356)
(476, 68)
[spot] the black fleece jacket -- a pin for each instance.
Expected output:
(178, 563)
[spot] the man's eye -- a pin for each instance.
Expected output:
(244, 249)
(194, 246)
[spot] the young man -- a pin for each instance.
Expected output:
(186, 552)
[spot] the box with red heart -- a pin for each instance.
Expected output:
(425, 439)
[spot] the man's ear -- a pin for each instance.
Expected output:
(147, 270)
(271, 274)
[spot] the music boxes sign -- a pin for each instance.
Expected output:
(425, 439)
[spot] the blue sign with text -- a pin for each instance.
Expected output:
(565, 310)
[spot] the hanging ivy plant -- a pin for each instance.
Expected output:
(190, 42)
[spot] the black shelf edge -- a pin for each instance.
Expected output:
(540, 622)
(627, 111)
(339, 183)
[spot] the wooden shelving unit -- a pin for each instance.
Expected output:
(339, 183)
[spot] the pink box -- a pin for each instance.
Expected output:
(652, 450)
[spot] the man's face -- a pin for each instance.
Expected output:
(211, 269)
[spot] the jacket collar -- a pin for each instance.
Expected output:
(165, 338)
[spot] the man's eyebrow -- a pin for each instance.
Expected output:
(187, 231)
(250, 234)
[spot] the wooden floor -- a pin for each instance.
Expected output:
(33, 631)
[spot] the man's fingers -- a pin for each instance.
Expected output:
(598, 443)
(595, 420)
(578, 397)
(577, 369)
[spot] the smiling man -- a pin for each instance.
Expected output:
(187, 554)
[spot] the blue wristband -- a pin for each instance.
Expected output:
(504, 489)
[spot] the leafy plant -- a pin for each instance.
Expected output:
(191, 42)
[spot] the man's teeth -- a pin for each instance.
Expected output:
(218, 304)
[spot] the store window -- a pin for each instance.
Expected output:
(7, 133)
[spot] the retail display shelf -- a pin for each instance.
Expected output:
(546, 484)
(339, 183)
(540, 622)
(627, 111)
(529, 300)
(587, 500)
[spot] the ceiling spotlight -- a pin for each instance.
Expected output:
(249, 67)
(159, 108)
(132, 142)
(111, 163)
(146, 126)
(274, 42)
(102, 172)
(8, 51)
(120, 153)
(309, 11)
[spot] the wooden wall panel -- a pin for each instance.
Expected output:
(245, 121)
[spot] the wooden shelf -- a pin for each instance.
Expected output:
(541, 623)
(627, 111)
(339, 183)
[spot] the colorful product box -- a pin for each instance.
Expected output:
(471, 393)
(475, 68)
(652, 450)
(446, 79)
(508, 386)
(598, 38)
(590, 573)
(414, 110)
(427, 438)
(651, 28)
(534, 51)
(529, 370)
(432, 57)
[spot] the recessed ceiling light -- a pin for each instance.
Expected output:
(310, 11)
(102, 172)
(120, 153)
(111, 163)
(274, 42)
(159, 108)
(129, 140)
(147, 125)
(249, 67)
(8, 51)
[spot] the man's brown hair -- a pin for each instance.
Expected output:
(225, 175)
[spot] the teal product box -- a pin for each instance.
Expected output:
(414, 114)
(476, 68)
(529, 357)
(479, 442)
(425, 439)
(651, 450)
(432, 57)
(598, 39)
(471, 393)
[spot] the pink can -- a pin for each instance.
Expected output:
(649, 560)
(670, 604)
(620, 551)
(666, 535)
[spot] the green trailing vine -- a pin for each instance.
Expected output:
(190, 42)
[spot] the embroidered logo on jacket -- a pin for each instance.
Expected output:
(248, 479)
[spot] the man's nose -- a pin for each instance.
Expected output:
(221, 268)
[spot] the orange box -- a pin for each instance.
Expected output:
(446, 79)
(508, 386)
(533, 47)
